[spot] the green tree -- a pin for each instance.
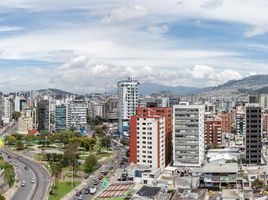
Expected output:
(90, 163)
(56, 170)
(2, 197)
(88, 143)
(99, 131)
(257, 184)
(105, 142)
(19, 145)
(10, 139)
(16, 115)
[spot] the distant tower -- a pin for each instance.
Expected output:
(127, 104)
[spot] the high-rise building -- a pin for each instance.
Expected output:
(78, 114)
(213, 131)
(61, 117)
(43, 115)
(226, 122)
(188, 135)
(240, 120)
(253, 131)
(147, 140)
(20, 103)
(167, 114)
(25, 122)
(265, 122)
(127, 104)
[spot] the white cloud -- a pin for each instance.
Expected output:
(158, 29)
(10, 28)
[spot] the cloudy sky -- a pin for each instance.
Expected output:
(88, 45)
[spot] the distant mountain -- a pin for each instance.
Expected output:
(149, 88)
(53, 91)
(250, 84)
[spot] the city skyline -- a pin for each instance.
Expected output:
(88, 46)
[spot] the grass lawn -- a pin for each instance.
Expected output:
(103, 155)
(39, 157)
(62, 189)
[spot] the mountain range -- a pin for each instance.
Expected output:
(251, 84)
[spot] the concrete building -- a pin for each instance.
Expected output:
(20, 103)
(62, 119)
(253, 133)
(265, 123)
(43, 115)
(127, 104)
(147, 140)
(188, 135)
(213, 132)
(78, 114)
(25, 122)
(167, 114)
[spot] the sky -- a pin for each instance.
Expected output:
(88, 45)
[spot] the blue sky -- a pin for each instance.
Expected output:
(86, 46)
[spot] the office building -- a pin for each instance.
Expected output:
(61, 117)
(127, 104)
(78, 114)
(240, 120)
(43, 115)
(147, 140)
(188, 135)
(167, 114)
(253, 131)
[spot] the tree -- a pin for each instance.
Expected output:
(19, 145)
(99, 131)
(70, 156)
(10, 139)
(105, 142)
(2, 197)
(257, 184)
(88, 143)
(30, 137)
(56, 170)
(90, 163)
(16, 115)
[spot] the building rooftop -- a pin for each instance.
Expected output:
(220, 168)
(147, 191)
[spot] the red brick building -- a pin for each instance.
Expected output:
(213, 132)
(226, 122)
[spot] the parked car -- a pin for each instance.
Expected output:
(78, 193)
(92, 190)
(96, 180)
(80, 197)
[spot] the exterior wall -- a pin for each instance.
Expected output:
(167, 113)
(25, 122)
(253, 134)
(127, 104)
(188, 135)
(213, 132)
(240, 120)
(265, 123)
(226, 122)
(147, 141)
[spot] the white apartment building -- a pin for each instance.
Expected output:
(188, 135)
(127, 104)
(240, 120)
(25, 122)
(78, 114)
(148, 141)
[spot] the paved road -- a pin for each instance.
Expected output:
(32, 191)
(115, 163)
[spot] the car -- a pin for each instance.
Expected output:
(78, 193)
(104, 172)
(86, 191)
(23, 183)
(26, 168)
(80, 197)
(32, 181)
(86, 187)
(96, 180)
(92, 190)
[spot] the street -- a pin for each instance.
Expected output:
(41, 177)
(115, 163)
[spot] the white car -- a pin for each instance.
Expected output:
(92, 190)
(32, 181)
(23, 183)
(80, 197)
